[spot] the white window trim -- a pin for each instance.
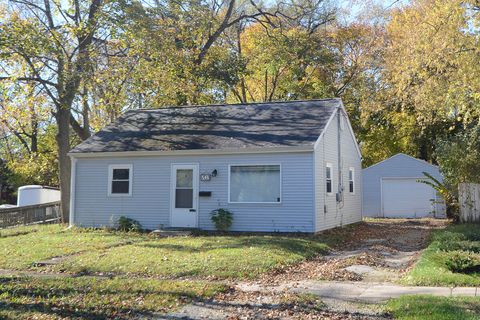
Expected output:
(255, 164)
(110, 179)
(353, 180)
(328, 165)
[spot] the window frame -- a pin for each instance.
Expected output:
(253, 165)
(329, 165)
(110, 179)
(351, 169)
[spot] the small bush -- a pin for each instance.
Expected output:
(464, 245)
(463, 262)
(128, 224)
(222, 218)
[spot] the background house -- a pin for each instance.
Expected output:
(280, 166)
(391, 190)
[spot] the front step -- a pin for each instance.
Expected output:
(172, 232)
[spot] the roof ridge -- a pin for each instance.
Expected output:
(229, 104)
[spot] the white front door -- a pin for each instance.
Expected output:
(184, 195)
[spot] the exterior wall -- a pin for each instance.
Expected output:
(150, 200)
(398, 166)
(326, 151)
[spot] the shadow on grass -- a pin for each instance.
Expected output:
(303, 247)
(23, 310)
(22, 298)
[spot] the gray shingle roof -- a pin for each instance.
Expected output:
(255, 125)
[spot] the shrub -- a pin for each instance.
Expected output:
(463, 262)
(222, 218)
(128, 224)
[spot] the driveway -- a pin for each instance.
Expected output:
(367, 256)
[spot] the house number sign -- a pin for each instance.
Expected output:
(205, 177)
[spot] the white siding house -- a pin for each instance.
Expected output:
(391, 189)
(267, 163)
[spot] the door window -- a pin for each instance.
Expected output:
(184, 188)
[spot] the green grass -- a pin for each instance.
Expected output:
(434, 308)
(102, 251)
(20, 247)
(431, 269)
(204, 256)
(94, 298)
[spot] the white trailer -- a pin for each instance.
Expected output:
(34, 194)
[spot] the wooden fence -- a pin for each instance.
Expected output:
(34, 214)
(469, 199)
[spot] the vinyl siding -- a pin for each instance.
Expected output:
(150, 200)
(399, 166)
(326, 151)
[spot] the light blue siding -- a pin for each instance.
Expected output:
(326, 151)
(398, 166)
(150, 200)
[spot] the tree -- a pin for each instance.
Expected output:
(50, 44)
(432, 69)
(459, 157)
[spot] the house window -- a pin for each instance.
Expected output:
(120, 180)
(328, 177)
(351, 180)
(255, 184)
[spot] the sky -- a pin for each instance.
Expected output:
(353, 8)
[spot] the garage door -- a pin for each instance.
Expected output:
(406, 198)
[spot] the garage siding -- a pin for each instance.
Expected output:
(327, 152)
(398, 166)
(150, 200)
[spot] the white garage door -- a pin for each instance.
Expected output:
(406, 198)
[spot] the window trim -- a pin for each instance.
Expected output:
(329, 165)
(249, 165)
(352, 169)
(110, 179)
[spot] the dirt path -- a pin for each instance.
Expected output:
(376, 251)
(379, 250)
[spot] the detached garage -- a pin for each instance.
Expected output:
(391, 190)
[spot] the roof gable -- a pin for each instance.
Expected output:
(401, 157)
(257, 125)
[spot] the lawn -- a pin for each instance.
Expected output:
(203, 256)
(21, 247)
(433, 269)
(90, 251)
(95, 298)
(434, 308)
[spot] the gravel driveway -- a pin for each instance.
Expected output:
(375, 251)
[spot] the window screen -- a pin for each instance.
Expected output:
(328, 178)
(351, 180)
(255, 183)
(120, 183)
(184, 188)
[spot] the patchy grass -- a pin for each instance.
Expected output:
(20, 247)
(432, 267)
(434, 308)
(204, 256)
(101, 251)
(95, 298)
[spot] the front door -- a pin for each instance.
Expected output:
(184, 195)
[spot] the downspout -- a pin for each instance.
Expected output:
(72, 192)
(340, 166)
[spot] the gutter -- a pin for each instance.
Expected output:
(307, 148)
(73, 174)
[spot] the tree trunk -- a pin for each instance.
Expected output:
(62, 117)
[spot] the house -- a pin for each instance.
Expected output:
(277, 166)
(391, 189)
